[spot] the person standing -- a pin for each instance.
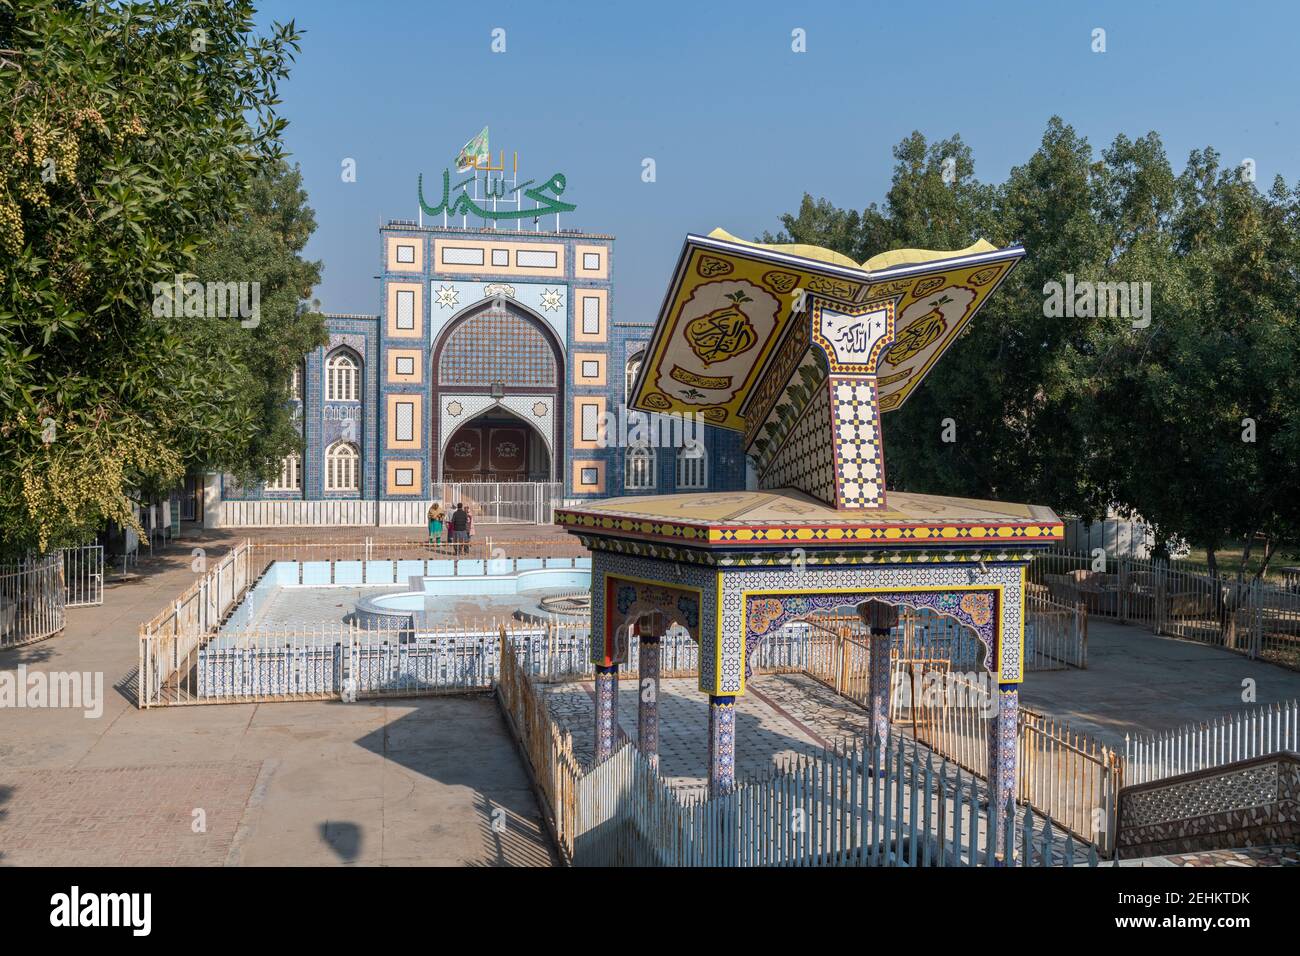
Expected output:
(437, 520)
(459, 528)
(469, 527)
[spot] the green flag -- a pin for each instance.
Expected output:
(475, 151)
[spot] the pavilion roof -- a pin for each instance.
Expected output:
(784, 516)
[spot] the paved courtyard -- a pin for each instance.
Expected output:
(1138, 683)
(433, 781)
(437, 780)
(778, 718)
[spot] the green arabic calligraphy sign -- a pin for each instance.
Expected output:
(466, 206)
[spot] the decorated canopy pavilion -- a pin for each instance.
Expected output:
(802, 350)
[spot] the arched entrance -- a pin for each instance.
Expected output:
(498, 388)
(496, 445)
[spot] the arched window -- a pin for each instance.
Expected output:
(290, 475)
(633, 370)
(342, 376)
(639, 469)
(342, 467)
(692, 467)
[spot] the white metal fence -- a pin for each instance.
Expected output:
(495, 502)
(1261, 730)
(843, 806)
(83, 575)
(32, 599)
(490, 502)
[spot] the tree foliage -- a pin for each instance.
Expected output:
(136, 134)
(1095, 411)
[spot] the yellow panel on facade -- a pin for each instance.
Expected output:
(591, 262)
(405, 366)
(518, 259)
(404, 310)
(405, 254)
(588, 477)
(588, 410)
(590, 315)
(588, 368)
(404, 478)
(404, 421)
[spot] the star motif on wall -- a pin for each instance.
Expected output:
(448, 297)
(552, 300)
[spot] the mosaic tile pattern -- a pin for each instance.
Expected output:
(855, 585)
(606, 719)
(806, 460)
(859, 450)
(705, 579)
(457, 410)
(472, 355)
(647, 717)
(722, 745)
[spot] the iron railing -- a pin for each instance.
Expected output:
(32, 600)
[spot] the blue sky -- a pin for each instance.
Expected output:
(740, 126)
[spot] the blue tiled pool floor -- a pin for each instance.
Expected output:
(307, 607)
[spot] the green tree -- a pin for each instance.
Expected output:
(1191, 421)
(133, 132)
(263, 245)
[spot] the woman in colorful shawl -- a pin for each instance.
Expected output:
(436, 519)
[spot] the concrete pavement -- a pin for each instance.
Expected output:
(427, 781)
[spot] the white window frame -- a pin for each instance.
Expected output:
(343, 467)
(342, 378)
(290, 475)
(640, 469)
(692, 472)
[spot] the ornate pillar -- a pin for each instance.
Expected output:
(880, 618)
(606, 711)
(722, 745)
(1002, 760)
(647, 711)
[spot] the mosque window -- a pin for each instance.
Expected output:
(342, 467)
(290, 478)
(639, 469)
(633, 369)
(692, 468)
(341, 378)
